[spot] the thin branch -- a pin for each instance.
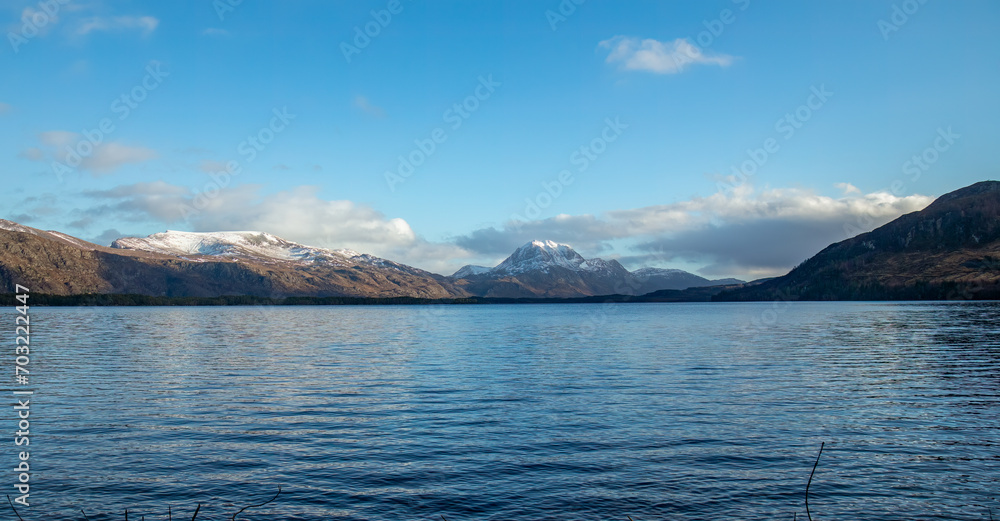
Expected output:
(256, 506)
(84, 515)
(196, 512)
(811, 479)
(14, 509)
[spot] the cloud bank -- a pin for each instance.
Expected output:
(76, 151)
(298, 214)
(744, 233)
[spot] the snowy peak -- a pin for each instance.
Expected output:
(237, 245)
(470, 270)
(15, 227)
(541, 255)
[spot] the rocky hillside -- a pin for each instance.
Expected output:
(245, 263)
(948, 251)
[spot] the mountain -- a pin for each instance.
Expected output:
(552, 270)
(186, 264)
(469, 270)
(203, 265)
(246, 246)
(947, 251)
(655, 279)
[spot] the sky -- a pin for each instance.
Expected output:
(730, 138)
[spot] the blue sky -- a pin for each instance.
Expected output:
(612, 126)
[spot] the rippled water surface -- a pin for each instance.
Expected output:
(533, 412)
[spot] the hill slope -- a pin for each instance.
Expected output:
(240, 263)
(948, 251)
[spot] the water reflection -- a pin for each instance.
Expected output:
(509, 412)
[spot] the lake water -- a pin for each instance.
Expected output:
(530, 412)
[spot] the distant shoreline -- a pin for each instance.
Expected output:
(692, 295)
(129, 300)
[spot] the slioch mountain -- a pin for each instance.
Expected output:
(550, 269)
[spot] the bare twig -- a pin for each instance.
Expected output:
(811, 479)
(14, 509)
(196, 512)
(255, 506)
(84, 515)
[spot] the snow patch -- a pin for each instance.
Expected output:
(241, 245)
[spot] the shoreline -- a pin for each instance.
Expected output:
(666, 296)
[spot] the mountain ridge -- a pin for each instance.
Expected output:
(55, 263)
(547, 269)
(210, 264)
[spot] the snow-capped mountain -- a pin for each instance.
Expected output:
(246, 245)
(250, 246)
(181, 264)
(540, 255)
(187, 264)
(551, 269)
(469, 270)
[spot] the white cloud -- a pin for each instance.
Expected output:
(58, 138)
(744, 233)
(32, 17)
(32, 154)
(298, 214)
(362, 103)
(209, 166)
(145, 24)
(214, 31)
(111, 156)
(659, 57)
(74, 151)
(848, 188)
